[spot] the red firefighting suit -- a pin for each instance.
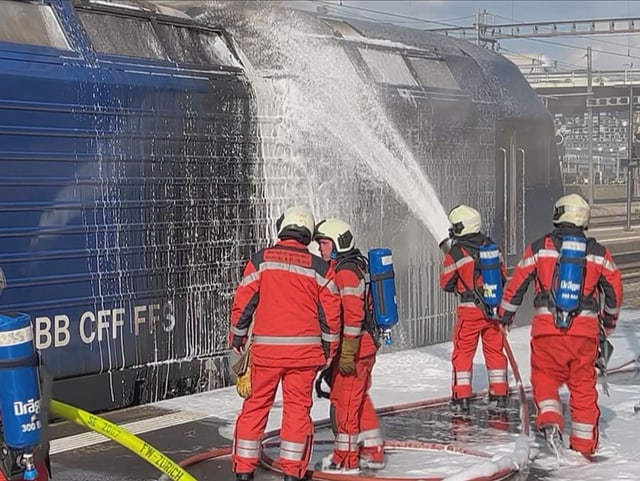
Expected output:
(292, 299)
(460, 275)
(566, 356)
(355, 417)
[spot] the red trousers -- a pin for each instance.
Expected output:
(297, 428)
(356, 420)
(470, 326)
(561, 359)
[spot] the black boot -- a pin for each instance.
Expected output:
(461, 405)
(244, 476)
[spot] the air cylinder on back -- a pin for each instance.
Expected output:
(569, 281)
(491, 274)
(383, 290)
(19, 382)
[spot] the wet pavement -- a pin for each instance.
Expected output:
(109, 462)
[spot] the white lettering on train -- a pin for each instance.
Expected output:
(93, 326)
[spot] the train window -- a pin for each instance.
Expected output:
(433, 73)
(187, 45)
(388, 67)
(31, 24)
(133, 37)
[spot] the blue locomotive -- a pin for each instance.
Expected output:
(132, 177)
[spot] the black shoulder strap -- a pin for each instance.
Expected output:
(358, 264)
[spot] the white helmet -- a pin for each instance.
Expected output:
(464, 220)
(339, 232)
(571, 209)
(297, 219)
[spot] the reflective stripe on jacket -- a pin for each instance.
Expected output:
(292, 298)
(601, 276)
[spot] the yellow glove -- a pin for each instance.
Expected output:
(347, 361)
(243, 384)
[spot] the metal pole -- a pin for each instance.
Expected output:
(630, 156)
(590, 127)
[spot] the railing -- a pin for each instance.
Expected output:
(578, 78)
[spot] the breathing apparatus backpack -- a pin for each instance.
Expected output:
(489, 271)
(568, 281)
(380, 302)
(24, 399)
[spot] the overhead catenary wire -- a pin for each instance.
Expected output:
(590, 37)
(446, 23)
(443, 23)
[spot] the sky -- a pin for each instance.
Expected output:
(611, 52)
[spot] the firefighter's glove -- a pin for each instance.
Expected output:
(347, 361)
(608, 323)
(605, 350)
(238, 343)
(507, 319)
(243, 384)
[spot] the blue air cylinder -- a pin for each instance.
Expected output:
(20, 385)
(569, 282)
(383, 290)
(491, 275)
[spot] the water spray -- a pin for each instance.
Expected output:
(324, 124)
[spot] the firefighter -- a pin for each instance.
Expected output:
(291, 297)
(358, 441)
(564, 345)
(461, 275)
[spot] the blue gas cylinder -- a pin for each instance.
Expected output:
(20, 385)
(383, 290)
(569, 281)
(491, 274)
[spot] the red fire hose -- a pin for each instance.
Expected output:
(524, 407)
(395, 445)
(399, 445)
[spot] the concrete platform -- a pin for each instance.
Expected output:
(185, 426)
(107, 461)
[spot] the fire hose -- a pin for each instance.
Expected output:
(223, 452)
(124, 438)
(499, 474)
(524, 407)
(503, 472)
(270, 463)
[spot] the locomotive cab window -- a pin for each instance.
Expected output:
(114, 35)
(433, 73)
(388, 67)
(31, 24)
(191, 46)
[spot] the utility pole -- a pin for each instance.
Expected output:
(630, 164)
(590, 127)
(480, 21)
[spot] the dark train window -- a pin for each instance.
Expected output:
(187, 45)
(433, 73)
(31, 24)
(388, 67)
(133, 37)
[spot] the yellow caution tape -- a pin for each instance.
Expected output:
(122, 437)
